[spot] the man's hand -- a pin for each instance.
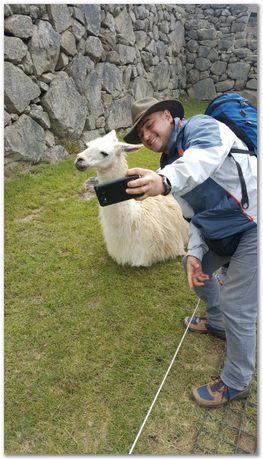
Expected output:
(149, 183)
(195, 275)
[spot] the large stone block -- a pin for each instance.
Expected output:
(59, 16)
(78, 69)
(237, 69)
(19, 25)
(161, 76)
(44, 47)
(92, 14)
(203, 90)
(218, 68)
(119, 114)
(19, 89)
(124, 27)
(66, 108)
(111, 76)
(14, 49)
(24, 140)
(93, 94)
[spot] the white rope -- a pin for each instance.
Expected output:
(160, 387)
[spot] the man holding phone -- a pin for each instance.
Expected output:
(197, 169)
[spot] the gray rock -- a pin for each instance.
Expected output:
(28, 64)
(88, 136)
(224, 86)
(59, 16)
(7, 118)
(251, 95)
(242, 53)
(141, 39)
(14, 49)
(202, 63)
(235, 70)
(108, 22)
(41, 117)
(92, 15)
(206, 34)
(225, 43)
(124, 27)
(63, 61)
(218, 68)
(65, 106)
(78, 30)
(161, 76)
(113, 57)
(193, 76)
(176, 37)
(147, 60)
(94, 48)
(44, 47)
(78, 69)
(93, 94)
(68, 43)
(24, 140)
(193, 46)
(19, 26)
(141, 88)
(252, 84)
(126, 54)
(19, 89)
(20, 8)
(203, 90)
(119, 114)
(203, 51)
(49, 138)
(111, 76)
(79, 15)
(55, 154)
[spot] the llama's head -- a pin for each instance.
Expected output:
(103, 153)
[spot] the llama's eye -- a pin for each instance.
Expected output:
(105, 154)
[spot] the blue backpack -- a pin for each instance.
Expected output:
(239, 115)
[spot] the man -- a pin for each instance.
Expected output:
(197, 169)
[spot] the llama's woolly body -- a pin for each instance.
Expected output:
(137, 233)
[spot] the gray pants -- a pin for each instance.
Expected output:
(233, 307)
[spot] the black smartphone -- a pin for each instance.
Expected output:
(114, 191)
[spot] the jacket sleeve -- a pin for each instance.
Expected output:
(196, 245)
(207, 143)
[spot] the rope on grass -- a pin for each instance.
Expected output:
(163, 381)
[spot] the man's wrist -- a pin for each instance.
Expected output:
(166, 185)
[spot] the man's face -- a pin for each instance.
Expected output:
(155, 130)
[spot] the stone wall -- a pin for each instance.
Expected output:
(221, 50)
(73, 70)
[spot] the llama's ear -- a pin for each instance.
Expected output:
(113, 135)
(130, 147)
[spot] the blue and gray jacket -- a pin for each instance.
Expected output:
(205, 180)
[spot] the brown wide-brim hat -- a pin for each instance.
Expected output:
(146, 106)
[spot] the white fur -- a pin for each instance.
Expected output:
(137, 233)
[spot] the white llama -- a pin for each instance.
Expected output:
(137, 233)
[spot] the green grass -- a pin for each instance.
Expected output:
(87, 342)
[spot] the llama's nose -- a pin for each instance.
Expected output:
(79, 163)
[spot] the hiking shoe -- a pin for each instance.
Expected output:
(200, 324)
(217, 394)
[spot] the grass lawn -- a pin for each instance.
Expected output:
(87, 342)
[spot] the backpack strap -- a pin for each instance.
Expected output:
(248, 152)
(244, 199)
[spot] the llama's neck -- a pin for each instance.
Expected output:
(117, 170)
